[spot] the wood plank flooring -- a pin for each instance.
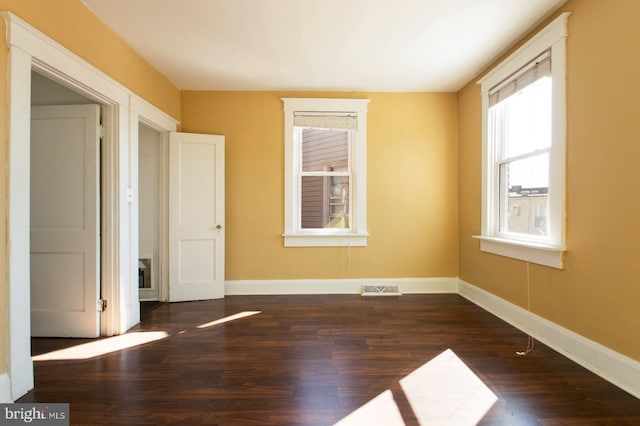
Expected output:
(314, 360)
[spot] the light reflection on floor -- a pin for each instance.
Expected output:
(124, 341)
(443, 391)
(103, 346)
(229, 318)
(381, 410)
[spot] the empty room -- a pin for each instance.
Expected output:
(301, 212)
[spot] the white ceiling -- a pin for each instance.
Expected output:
(352, 45)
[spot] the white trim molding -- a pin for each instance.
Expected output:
(294, 235)
(152, 116)
(29, 49)
(5, 389)
(545, 250)
(338, 286)
(541, 254)
(612, 366)
(318, 240)
(20, 365)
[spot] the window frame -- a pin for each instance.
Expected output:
(296, 236)
(549, 250)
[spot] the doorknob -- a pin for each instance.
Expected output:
(218, 227)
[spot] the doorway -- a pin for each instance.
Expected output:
(65, 211)
(30, 50)
(151, 214)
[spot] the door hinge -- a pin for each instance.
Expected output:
(102, 305)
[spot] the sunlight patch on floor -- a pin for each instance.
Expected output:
(443, 391)
(102, 346)
(229, 318)
(381, 410)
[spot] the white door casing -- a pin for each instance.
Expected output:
(196, 217)
(65, 219)
(30, 50)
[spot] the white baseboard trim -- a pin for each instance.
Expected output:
(338, 286)
(21, 375)
(5, 389)
(616, 368)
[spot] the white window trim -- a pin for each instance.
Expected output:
(293, 235)
(549, 252)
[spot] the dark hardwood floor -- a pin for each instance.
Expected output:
(147, 307)
(314, 360)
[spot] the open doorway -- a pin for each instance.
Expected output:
(30, 50)
(65, 176)
(151, 216)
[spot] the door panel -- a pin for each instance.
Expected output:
(65, 221)
(196, 217)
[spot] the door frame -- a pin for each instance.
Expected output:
(140, 114)
(29, 49)
(157, 266)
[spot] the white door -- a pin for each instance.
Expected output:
(65, 181)
(196, 217)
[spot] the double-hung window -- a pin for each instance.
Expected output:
(325, 172)
(524, 151)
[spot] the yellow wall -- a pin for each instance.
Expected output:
(412, 186)
(72, 25)
(75, 27)
(598, 293)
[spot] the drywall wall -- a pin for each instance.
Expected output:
(411, 192)
(597, 293)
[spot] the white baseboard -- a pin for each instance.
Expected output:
(338, 286)
(618, 369)
(5, 389)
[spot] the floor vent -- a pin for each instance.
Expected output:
(380, 290)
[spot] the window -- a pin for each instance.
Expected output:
(523, 102)
(325, 172)
(520, 129)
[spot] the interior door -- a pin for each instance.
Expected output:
(65, 179)
(196, 217)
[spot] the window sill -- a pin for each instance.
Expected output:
(325, 240)
(541, 254)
